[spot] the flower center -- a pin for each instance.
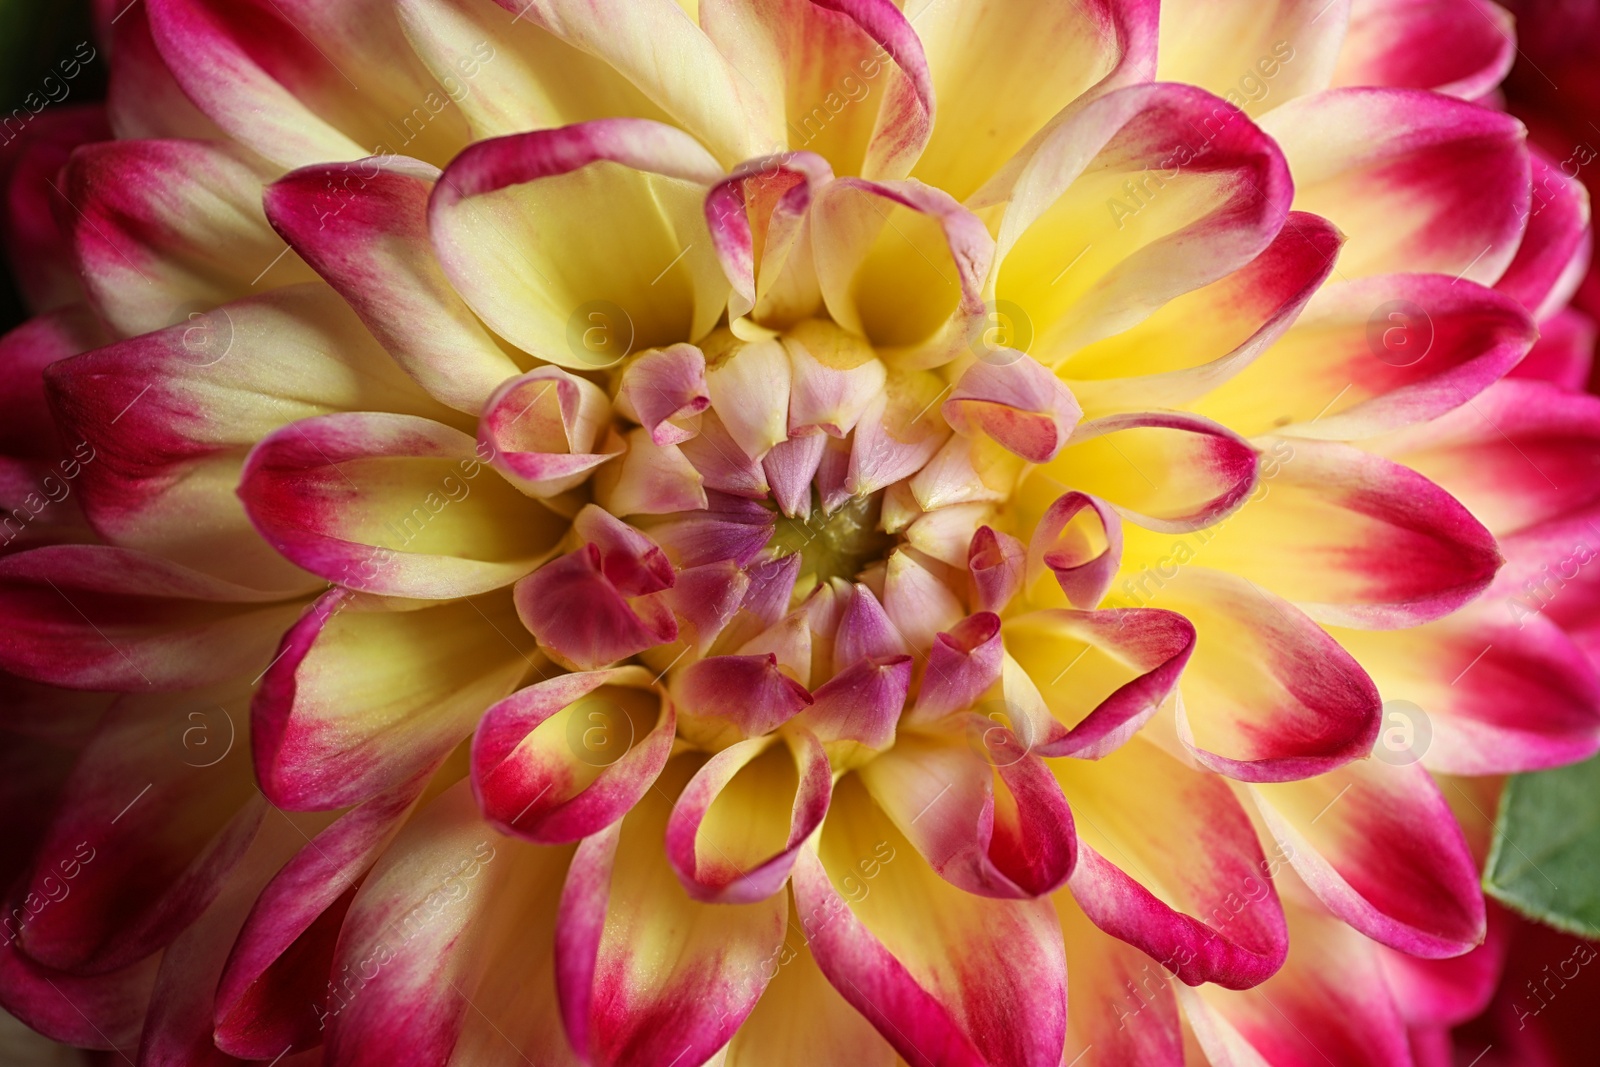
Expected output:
(837, 545)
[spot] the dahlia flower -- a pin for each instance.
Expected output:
(774, 531)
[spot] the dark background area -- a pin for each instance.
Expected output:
(34, 36)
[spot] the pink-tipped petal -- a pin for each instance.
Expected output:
(644, 972)
(1020, 404)
(985, 985)
(364, 227)
(665, 390)
(1458, 47)
(366, 692)
(992, 822)
(1386, 167)
(1352, 538)
(565, 758)
(996, 567)
(1083, 554)
(1379, 846)
(1267, 694)
(97, 617)
(394, 505)
(738, 824)
(1165, 471)
(1099, 674)
(1557, 246)
(1169, 862)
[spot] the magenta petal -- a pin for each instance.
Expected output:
(552, 790)
(1083, 564)
(1020, 404)
(862, 703)
(996, 563)
(577, 614)
(865, 629)
(962, 665)
(747, 693)
(665, 389)
(711, 874)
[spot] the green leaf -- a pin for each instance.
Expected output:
(1545, 862)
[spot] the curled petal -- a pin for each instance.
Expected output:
(737, 696)
(540, 430)
(722, 464)
(1378, 845)
(1116, 668)
(583, 617)
(1165, 471)
(640, 181)
(1144, 816)
(877, 242)
(995, 824)
(664, 390)
(1020, 404)
(996, 566)
(763, 207)
(738, 824)
(567, 757)
(1083, 554)
(962, 665)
